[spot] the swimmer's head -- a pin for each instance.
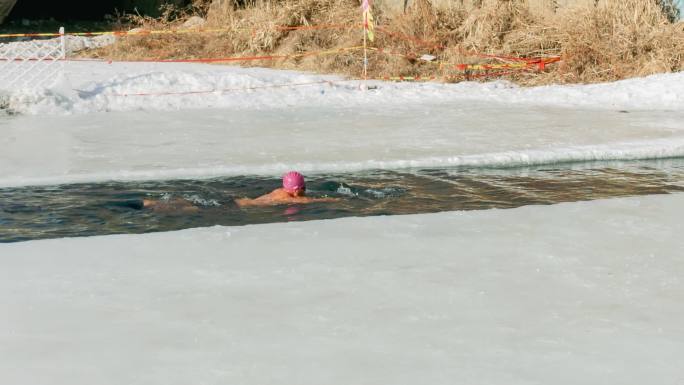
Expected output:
(293, 183)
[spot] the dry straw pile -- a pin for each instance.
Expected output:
(609, 40)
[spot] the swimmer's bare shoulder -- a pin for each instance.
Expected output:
(280, 197)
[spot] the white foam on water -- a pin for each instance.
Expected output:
(345, 191)
(198, 200)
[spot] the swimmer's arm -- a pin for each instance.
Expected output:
(149, 203)
(314, 200)
(265, 201)
(247, 202)
(244, 202)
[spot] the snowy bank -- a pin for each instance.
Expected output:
(99, 86)
(144, 145)
(584, 293)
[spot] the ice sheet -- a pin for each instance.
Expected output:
(218, 142)
(584, 293)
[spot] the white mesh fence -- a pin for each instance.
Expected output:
(32, 64)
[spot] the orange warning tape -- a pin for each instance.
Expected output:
(519, 64)
(330, 82)
(232, 59)
(180, 31)
(288, 85)
(399, 35)
(540, 63)
(222, 90)
(440, 46)
(464, 76)
(416, 78)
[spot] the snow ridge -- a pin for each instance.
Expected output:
(175, 86)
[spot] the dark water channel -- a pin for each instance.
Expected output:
(28, 213)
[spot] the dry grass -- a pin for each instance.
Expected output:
(615, 39)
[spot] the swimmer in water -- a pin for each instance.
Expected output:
(293, 191)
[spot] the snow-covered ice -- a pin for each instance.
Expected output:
(572, 293)
(579, 293)
(99, 86)
(205, 143)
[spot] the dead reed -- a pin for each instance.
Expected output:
(611, 40)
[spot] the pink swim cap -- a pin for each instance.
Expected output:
(293, 181)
